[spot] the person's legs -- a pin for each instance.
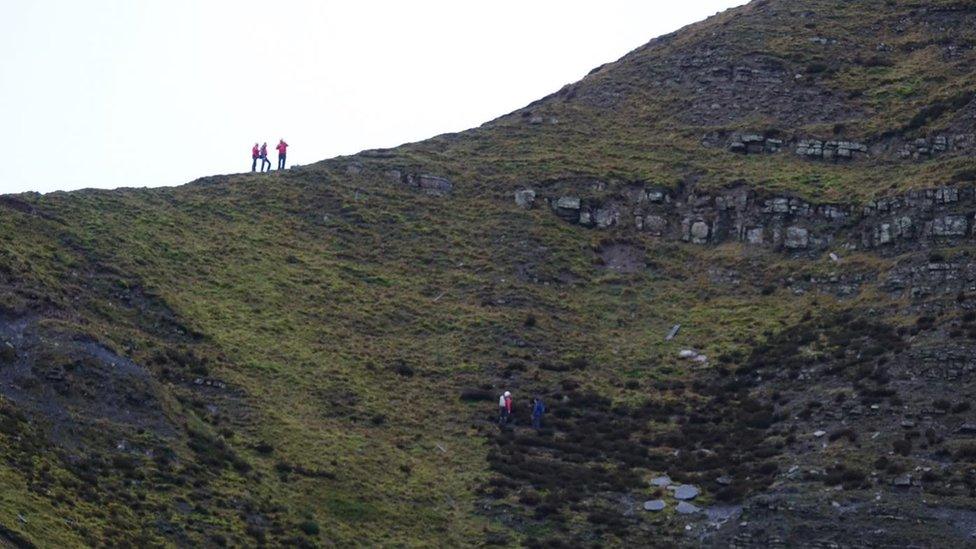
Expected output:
(281, 161)
(254, 164)
(536, 422)
(265, 161)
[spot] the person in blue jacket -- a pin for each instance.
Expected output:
(538, 408)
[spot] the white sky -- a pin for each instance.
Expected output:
(110, 93)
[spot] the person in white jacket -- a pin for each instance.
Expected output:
(504, 407)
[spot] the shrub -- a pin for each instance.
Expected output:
(7, 354)
(850, 478)
(816, 68)
(966, 452)
(847, 433)
(960, 176)
(475, 395)
(902, 447)
(309, 527)
(403, 369)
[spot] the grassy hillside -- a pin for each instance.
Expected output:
(313, 357)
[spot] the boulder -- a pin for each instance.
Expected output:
(525, 198)
(686, 492)
(882, 235)
(686, 508)
(699, 232)
(946, 195)
(656, 196)
(778, 205)
(661, 482)
(435, 186)
(754, 235)
(797, 238)
(774, 145)
(606, 217)
(655, 224)
(654, 505)
(833, 212)
(568, 203)
(950, 225)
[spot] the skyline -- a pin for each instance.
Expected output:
(115, 94)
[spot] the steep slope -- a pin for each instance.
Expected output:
(312, 357)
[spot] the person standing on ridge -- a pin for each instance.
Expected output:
(264, 157)
(282, 149)
(255, 154)
(508, 406)
(538, 408)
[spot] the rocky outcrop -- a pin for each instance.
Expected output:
(831, 150)
(785, 223)
(430, 184)
(754, 144)
(525, 198)
(927, 147)
(921, 148)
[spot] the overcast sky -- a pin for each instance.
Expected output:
(112, 93)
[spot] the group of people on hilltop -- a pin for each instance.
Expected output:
(505, 407)
(262, 154)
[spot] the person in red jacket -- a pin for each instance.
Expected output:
(282, 149)
(255, 154)
(264, 157)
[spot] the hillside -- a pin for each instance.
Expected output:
(313, 357)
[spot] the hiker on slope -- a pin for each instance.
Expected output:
(255, 154)
(538, 408)
(504, 408)
(282, 149)
(264, 157)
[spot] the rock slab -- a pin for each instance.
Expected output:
(654, 505)
(686, 492)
